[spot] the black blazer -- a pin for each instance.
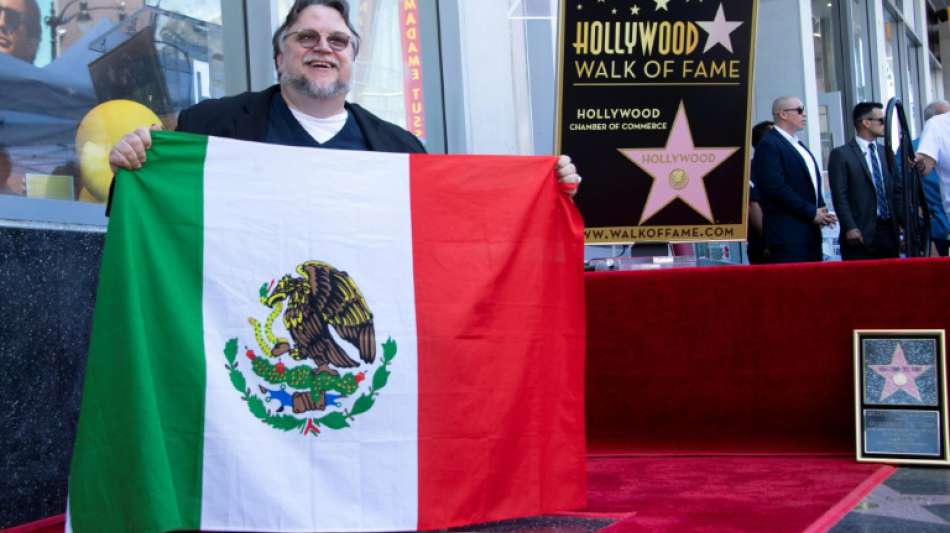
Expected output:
(786, 193)
(244, 117)
(853, 193)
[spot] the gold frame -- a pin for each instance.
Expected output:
(589, 233)
(940, 336)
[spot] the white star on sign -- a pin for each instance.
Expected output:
(719, 29)
(661, 4)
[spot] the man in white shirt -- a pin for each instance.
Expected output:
(863, 191)
(788, 179)
(934, 152)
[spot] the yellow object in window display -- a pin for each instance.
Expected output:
(98, 131)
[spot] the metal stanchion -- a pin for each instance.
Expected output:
(913, 214)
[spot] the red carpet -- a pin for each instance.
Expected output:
(726, 493)
(742, 359)
(777, 494)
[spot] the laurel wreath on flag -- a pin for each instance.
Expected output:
(335, 420)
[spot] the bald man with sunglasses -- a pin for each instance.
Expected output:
(314, 52)
(788, 180)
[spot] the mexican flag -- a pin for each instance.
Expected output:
(295, 339)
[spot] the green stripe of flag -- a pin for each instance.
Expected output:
(139, 441)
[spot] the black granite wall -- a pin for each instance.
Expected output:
(47, 291)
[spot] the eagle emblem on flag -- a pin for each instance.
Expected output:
(314, 393)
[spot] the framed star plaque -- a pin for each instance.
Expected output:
(901, 396)
(654, 107)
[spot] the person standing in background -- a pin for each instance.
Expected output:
(939, 222)
(788, 180)
(863, 191)
(758, 251)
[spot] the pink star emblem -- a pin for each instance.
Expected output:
(678, 170)
(899, 375)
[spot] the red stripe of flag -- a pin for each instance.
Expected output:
(498, 267)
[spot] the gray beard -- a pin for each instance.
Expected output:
(301, 84)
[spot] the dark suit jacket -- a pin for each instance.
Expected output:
(853, 193)
(244, 117)
(787, 196)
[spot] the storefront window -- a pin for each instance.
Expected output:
(909, 9)
(388, 72)
(828, 58)
(902, 66)
(861, 53)
(823, 31)
(912, 77)
(890, 56)
(936, 81)
(87, 72)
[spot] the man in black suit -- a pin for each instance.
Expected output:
(314, 52)
(788, 180)
(863, 191)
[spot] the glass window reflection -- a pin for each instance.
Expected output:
(912, 76)
(890, 56)
(99, 68)
(861, 52)
(826, 53)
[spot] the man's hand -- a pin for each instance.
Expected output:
(854, 237)
(567, 176)
(129, 152)
(924, 163)
(823, 217)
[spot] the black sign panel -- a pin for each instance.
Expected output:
(654, 106)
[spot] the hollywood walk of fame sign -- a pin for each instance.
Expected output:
(901, 396)
(654, 107)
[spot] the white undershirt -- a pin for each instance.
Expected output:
(806, 157)
(863, 144)
(321, 129)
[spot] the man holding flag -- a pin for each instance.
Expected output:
(289, 339)
(314, 52)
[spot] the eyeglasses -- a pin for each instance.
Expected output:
(11, 17)
(310, 38)
(800, 110)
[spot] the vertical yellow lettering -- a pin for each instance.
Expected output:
(596, 38)
(692, 38)
(581, 38)
(664, 38)
(630, 37)
(618, 49)
(679, 38)
(647, 37)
